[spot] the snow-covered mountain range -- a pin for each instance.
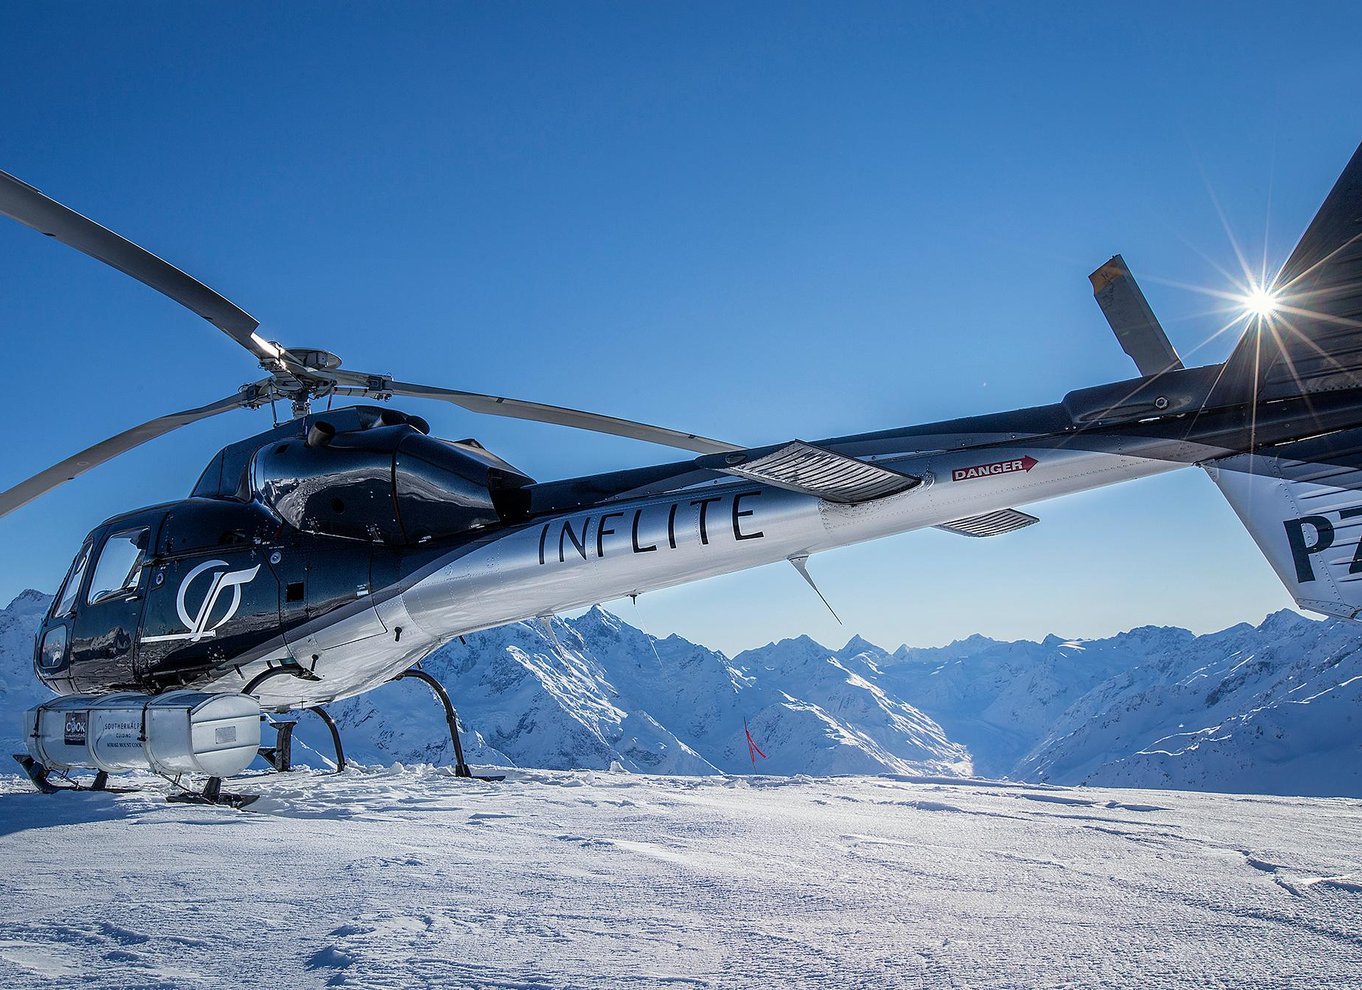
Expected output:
(596, 691)
(1266, 709)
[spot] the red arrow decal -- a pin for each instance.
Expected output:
(994, 468)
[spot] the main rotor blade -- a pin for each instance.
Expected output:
(354, 383)
(20, 201)
(77, 464)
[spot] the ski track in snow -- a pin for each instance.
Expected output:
(411, 877)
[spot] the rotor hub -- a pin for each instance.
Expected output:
(315, 358)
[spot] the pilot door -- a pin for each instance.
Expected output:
(107, 609)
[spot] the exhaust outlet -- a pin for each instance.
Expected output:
(320, 434)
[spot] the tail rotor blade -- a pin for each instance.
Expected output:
(1132, 320)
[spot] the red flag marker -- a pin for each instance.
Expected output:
(752, 749)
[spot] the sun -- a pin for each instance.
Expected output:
(1261, 302)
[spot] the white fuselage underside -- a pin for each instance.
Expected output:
(630, 547)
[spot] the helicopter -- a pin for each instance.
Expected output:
(324, 557)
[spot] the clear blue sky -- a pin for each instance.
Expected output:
(752, 221)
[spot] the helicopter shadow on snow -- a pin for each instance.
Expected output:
(22, 811)
(27, 811)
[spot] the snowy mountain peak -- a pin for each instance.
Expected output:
(1284, 621)
(596, 621)
(787, 654)
(959, 649)
(1156, 637)
(858, 645)
(28, 600)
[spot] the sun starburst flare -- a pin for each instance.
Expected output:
(1261, 302)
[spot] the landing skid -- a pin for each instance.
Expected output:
(38, 775)
(280, 755)
(213, 793)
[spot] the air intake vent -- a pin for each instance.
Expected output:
(809, 470)
(990, 523)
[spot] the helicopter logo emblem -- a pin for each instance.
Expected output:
(198, 625)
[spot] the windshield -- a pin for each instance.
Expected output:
(120, 564)
(67, 596)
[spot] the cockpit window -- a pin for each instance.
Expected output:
(67, 596)
(120, 565)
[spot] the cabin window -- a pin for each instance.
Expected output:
(53, 650)
(71, 586)
(120, 565)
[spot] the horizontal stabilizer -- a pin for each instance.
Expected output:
(990, 523)
(1134, 323)
(802, 467)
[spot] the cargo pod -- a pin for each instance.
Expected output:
(172, 734)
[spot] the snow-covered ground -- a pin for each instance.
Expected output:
(414, 878)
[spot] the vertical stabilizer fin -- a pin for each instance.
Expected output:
(1302, 504)
(1136, 327)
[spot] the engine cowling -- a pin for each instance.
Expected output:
(388, 484)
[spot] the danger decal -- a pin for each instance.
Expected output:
(994, 468)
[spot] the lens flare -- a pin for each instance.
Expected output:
(1261, 302)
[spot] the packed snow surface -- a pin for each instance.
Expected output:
(411, 877)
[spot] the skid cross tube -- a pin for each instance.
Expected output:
(37, 773)
(292, 669)
(39, 776)
(213, 793)
(280, 755)
(325, 716)
(460, 767)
